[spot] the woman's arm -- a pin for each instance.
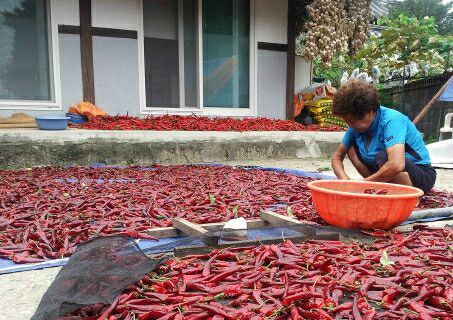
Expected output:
(337, 162)
(394, 165)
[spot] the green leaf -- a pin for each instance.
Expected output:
(290, 213)
(219, 296)
(235, 211)
(385, 261)
(211, 199)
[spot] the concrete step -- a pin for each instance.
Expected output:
(22, 148)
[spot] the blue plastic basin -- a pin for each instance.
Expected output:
(76, 118)
(52, 122)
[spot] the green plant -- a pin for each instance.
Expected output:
(426, 8)
(404, 40)
(387, 100)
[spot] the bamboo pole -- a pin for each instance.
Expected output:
(431, 102)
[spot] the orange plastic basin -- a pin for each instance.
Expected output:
(344, 204)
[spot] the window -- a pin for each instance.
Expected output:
(196, 54)
(26, 72)
(226, 45)
(170, 50)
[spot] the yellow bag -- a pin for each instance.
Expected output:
(320, 111)
(325, 120)
(319, 103)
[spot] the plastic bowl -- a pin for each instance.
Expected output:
(76, 118)
(344, 204)
(52, 122)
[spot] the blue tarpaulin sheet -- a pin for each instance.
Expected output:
(447, 95)
(167, 244)
(7, 266)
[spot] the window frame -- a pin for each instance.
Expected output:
(209, 111)
(55, 85)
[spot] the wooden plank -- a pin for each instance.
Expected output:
(100, 32)
(167, 232)
(323, 235)
(184, 251)
(86, 50)
(115, 33)
(189, 228)
(269, 46)
(278, 220)
(68, 29)
(18, 125)
(291, 59)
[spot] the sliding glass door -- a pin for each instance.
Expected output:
(170, 49)
(226, 55)
(185, 41)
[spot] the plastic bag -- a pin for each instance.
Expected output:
(87, 109)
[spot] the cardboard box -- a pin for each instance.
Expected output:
(317, 91)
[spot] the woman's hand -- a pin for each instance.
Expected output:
(337, 162)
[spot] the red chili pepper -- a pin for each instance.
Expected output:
(216, 310)
(299, 296)
(108, 311)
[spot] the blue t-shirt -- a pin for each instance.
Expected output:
(390, 127)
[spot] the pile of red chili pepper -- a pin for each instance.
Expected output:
(199, 123)
(46, 212)
(396, 277)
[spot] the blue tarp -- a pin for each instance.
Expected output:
(7, 266)
(167, 244)
(447, 95)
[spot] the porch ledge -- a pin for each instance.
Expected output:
(21, 148)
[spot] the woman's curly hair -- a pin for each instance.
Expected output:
(355, 98)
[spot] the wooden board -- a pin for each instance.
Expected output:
(17, 125)
(189, 228)
(17, 118)
(278, 220)
(167, 232)
(189, 250)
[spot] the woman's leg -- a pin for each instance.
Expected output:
(402, 178)
(420, 176)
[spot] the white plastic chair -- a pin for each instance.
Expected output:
(446, 129)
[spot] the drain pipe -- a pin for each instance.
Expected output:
(431, 213)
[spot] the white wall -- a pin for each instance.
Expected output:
(303, 73)
(116, 77)
(66, 12)
(115, 14)
(271, 84)
(271, 21)
(70, 70)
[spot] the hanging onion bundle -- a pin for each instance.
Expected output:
(336, 26)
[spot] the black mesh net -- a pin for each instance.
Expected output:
(102, 268)
(96, 274)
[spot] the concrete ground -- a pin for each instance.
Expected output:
(21, 292)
